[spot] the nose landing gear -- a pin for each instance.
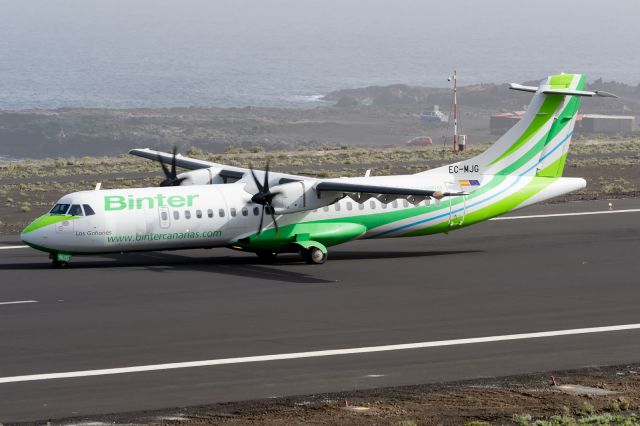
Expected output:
(60, 260)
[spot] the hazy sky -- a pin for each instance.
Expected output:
(305, 46)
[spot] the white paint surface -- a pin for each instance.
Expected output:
(316, 354)
(18, 302)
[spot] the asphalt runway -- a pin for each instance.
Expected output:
(493, 279)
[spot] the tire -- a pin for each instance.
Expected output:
(315, 256)
(59, 264)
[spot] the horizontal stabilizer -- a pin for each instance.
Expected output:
(564, 92)
(520, 87)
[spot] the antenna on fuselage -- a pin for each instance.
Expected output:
(98, 186)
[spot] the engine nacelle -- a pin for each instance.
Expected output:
(300, 196)
(201, 176)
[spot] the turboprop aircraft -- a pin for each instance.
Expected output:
(215, 205)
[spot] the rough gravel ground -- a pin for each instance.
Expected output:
(492, 400)
(29, 189)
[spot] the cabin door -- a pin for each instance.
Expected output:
(457, 206)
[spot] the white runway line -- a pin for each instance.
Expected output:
(12, 247)
(18, 302)
(315, 354)
(533, 216)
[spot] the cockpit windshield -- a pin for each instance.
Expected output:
(60, 209)
(75, 210)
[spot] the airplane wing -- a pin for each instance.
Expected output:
(189, 163)
(357, 188)
(226, 172)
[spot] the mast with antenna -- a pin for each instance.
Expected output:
(459, 141)
(454, 77)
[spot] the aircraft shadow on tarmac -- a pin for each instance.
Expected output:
(244, 266)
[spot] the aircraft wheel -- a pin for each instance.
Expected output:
(267, 256)
(59, 264)
(315, 256)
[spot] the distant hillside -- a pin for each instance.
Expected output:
(366, 116)
(493, 97)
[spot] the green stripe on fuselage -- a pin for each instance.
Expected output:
(497, 208)
(321, 229)
(46, 220)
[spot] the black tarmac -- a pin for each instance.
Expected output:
(495, 278)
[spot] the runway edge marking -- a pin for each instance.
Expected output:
(534, 216)
(315, 354)
(12, 247)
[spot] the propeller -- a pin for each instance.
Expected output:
(171, 177)
(264, 197)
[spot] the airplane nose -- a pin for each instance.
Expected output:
(25, 238)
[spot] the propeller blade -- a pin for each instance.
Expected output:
(255, 179)
(173, 162)
(266, 178)
(165, 169)
(261, 220)
(275, 222)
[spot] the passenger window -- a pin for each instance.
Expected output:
(395, 204)
(245, 212)
(383, 205)
(176, 214)
(75, 210)
(164, 215)
(361, 206)
(221, 212)
(88, 211)
(59, 209)
(233, 212)
(210, 213)
(405, 203)
(337, 205)
(187, 214)
(325, 208)
(199, 214)
(349, 205)
(256, 211)
(372, 204)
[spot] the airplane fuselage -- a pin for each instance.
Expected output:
(203, 216)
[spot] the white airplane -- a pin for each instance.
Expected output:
(215, 205)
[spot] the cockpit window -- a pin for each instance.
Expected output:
(75, 210)
(88, 211)
(59, 209)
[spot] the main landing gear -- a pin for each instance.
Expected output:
(311, 252)
(314, 255)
